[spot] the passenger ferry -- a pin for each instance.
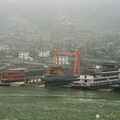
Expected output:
(106, 76)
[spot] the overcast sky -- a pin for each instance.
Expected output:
(51, 8)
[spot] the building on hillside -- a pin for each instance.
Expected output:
(63, 60)
(44, 53)
(25, 56)
(4, 47)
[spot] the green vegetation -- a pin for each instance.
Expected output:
(63, 25)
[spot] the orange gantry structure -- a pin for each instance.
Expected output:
(77, 54)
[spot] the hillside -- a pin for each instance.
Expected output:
(91, 26)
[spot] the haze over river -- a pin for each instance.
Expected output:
(53, 103)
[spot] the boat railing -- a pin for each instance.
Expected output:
(107, 77)
(106, 82)
(107, 72)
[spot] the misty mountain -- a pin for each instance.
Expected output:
(59, 20)
(42, 11)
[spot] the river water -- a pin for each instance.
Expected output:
(54, 103)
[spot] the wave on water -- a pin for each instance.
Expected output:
(98, 100)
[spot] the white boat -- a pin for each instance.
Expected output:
(106, 76)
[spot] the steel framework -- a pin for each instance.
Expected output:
(77, 54)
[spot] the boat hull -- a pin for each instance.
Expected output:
(91, 87)
(58, 81)
(5, 84)
(98, 86)
(12, 80)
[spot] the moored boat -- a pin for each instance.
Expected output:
(20, 74)
(13, 75)
(55, 76)
(106, 76)
(5, 84)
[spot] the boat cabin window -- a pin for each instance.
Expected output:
(85, 80)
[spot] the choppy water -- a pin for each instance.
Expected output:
(52, 103)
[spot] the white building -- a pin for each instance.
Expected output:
(24, 55)
(4, 47)
(44, 53)
(63, 60)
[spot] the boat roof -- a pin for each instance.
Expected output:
(17, 69)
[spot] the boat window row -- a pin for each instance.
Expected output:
(19, 77)
(106, 79)
(109, 70)
(109, 75)
(114, 78)
(100, 80)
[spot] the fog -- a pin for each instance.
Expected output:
(38, 10)
(92, 26)
(25, 21)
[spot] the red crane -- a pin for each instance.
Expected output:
(77, 54)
